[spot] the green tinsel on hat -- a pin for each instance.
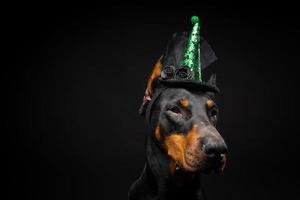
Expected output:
(191, 57)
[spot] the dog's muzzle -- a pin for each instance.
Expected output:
(215, 151)
(207, 152)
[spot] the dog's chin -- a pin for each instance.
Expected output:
(208, 167)
(215, 165)
(211, 169)
(189, 168)
(202, 168)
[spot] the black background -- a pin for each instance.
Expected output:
(76, 77)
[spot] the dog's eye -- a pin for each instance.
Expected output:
(213, 113)
(174, 114)
(174, 109)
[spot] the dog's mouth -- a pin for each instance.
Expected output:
(207, 165)
(216, 164)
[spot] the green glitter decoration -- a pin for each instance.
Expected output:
(191, 57)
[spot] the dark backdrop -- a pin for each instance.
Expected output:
(76, 77)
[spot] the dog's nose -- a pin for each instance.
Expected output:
(215, 149)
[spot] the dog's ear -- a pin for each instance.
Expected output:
(212, 81)
(156, 71)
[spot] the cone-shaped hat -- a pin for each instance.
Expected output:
(191, 58)
(181, 64)
(186, 55)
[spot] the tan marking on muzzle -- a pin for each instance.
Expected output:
(176, 145)
(192, 135)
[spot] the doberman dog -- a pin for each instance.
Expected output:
(183, 141)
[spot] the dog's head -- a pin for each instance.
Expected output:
(183, 119)
(185, 127)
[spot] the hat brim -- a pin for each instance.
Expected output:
(190, 85)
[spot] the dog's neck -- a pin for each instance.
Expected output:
(157, 182)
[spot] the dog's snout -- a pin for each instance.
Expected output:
(212, 142)
(215, 148)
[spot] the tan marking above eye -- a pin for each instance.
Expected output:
(210, 103)
(184, 102)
